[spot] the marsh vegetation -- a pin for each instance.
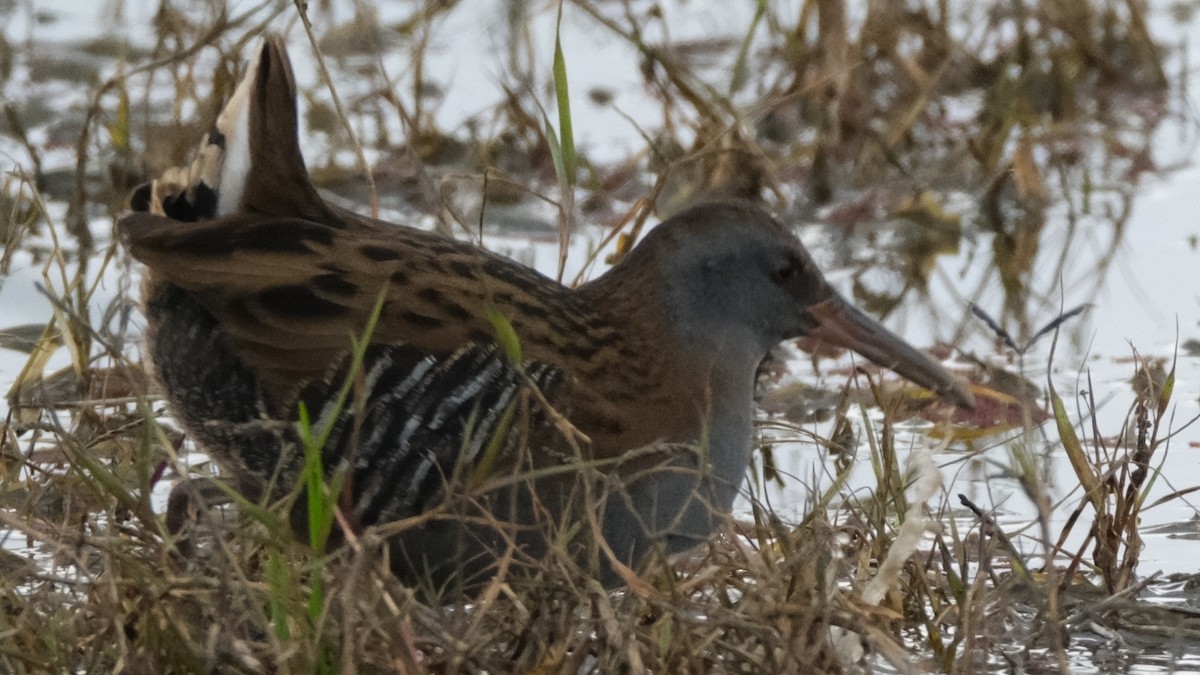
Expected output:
(940, 156)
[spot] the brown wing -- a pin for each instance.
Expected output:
(288, 279)
(289, 292)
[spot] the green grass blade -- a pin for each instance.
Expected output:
(483, 467)
(279, 579)
(1075, 452)
(740, 69)
(506, 335)
(321, 500)
(566, 138)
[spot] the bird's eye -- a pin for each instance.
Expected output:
(786, 272)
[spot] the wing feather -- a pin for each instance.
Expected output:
(282, 287)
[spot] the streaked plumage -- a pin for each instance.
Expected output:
(255, 286)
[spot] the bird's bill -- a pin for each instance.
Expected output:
(840, 324)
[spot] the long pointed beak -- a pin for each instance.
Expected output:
(840, 324)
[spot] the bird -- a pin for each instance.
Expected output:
(491, 415)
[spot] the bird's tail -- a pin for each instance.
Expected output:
(250, 161)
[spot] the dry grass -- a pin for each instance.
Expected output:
(852, 108)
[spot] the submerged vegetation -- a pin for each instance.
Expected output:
(904, 130)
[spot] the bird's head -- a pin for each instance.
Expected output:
(737, 283)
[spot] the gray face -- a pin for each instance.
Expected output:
(738, 281)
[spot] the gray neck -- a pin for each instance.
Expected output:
(731, 428)
(730, 360)
(685, 493)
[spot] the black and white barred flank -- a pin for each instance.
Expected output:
(413, 424)
(417, 424)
